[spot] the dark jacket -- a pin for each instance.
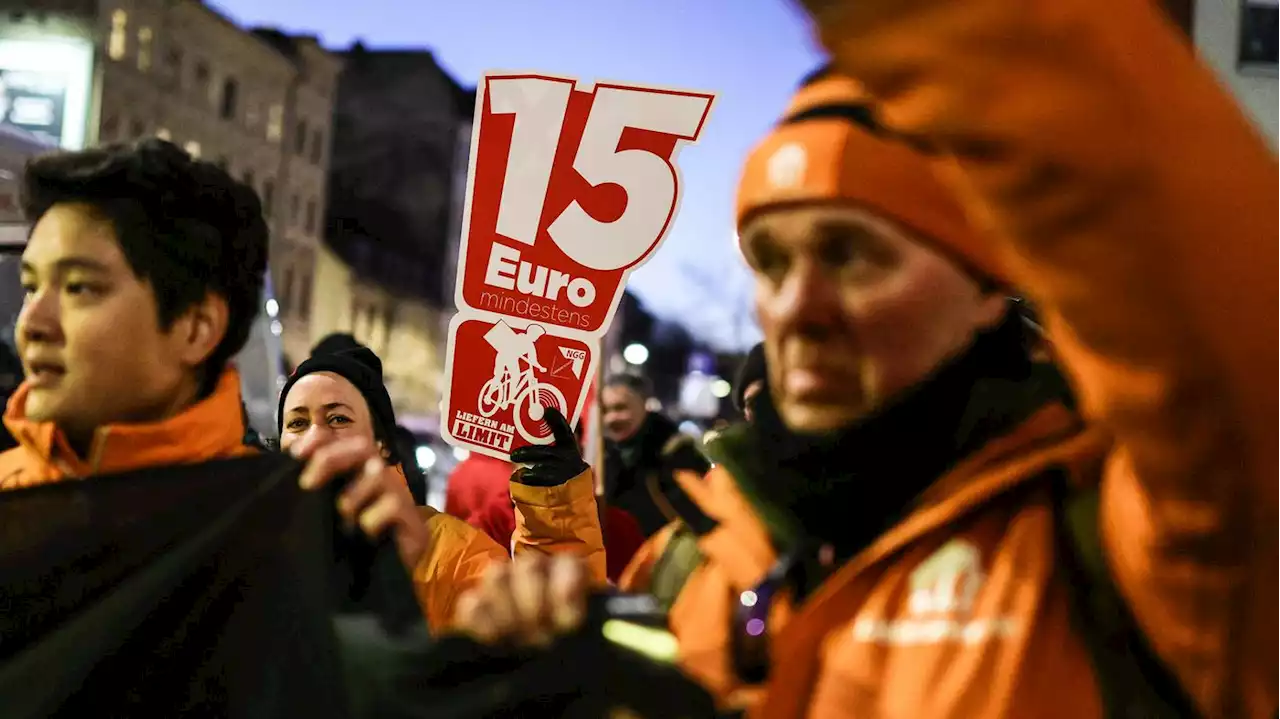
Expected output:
(638, 473)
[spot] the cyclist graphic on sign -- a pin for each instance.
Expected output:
(516, 386)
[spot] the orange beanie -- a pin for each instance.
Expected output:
(828, 149)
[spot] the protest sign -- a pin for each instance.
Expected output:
(570, 187)
(503, 375)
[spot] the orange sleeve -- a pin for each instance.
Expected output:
(561, 520)
(1137, 206)
(457, 558)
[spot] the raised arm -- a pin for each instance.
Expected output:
(1135, 203)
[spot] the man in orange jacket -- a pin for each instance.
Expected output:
(144, 272)
(926, 528)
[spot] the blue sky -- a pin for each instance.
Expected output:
(751, 52)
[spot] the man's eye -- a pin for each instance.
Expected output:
(296, 424)
(339, 419)
(81, 288)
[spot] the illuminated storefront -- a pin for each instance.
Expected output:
(45, 89)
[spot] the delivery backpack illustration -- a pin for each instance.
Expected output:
(513, 386)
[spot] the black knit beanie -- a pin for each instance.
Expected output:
(336, 342)
(753, 369)
(362, 368)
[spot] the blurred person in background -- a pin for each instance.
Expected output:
(749, 382)
(643, 452)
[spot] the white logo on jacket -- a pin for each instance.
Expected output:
(943, 590)
(786, 166)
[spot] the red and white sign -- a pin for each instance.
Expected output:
(570, 188)
(504, 374)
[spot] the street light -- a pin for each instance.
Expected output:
(426, 457)
(636, 354)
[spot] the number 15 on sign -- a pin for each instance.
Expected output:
(570, 189)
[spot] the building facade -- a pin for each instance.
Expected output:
(258, 103)
(395, 185)
(1237, 38)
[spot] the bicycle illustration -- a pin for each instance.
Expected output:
(514, 386)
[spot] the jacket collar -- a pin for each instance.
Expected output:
(211, 428)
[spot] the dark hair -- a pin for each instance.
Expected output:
(183, 225)
(633, 382)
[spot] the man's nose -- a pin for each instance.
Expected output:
(40, 318)
(809, 298)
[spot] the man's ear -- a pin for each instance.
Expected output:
(382, 450)
(992, 308)
(200, 329)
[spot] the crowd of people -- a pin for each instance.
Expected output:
(936, 505)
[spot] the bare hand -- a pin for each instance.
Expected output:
(526, 602)
(377, 498)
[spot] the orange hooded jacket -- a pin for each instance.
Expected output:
(549, 520)
(1131, 198)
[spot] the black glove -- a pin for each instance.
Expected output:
(551, 465)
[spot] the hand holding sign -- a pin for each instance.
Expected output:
(553, 465)
(569, 190)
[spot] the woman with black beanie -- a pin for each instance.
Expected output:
(340, 394)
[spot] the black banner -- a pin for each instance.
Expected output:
(223, 590)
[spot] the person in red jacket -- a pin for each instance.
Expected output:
(479, 494)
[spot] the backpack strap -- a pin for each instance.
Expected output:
(674, 566)
(1133, 681)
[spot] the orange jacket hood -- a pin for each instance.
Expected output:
(211, 428)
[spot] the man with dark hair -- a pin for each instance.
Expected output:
(643, 453)
(143, 274)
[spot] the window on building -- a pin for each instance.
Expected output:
(355, 318)
(249, 179)
(144, 48)
(300, 138)
(118, 42)
(164, 134)
(268, 196)
(203, 76)
(311, 216)
(317, 146)
(295, 206)
(230, 90)
(275, 122)
(110, 126)
(173, 66)
(137, 129)
(286, 293)
(1258, 35)
(193, 148)
(304, 297)
(389, 317)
